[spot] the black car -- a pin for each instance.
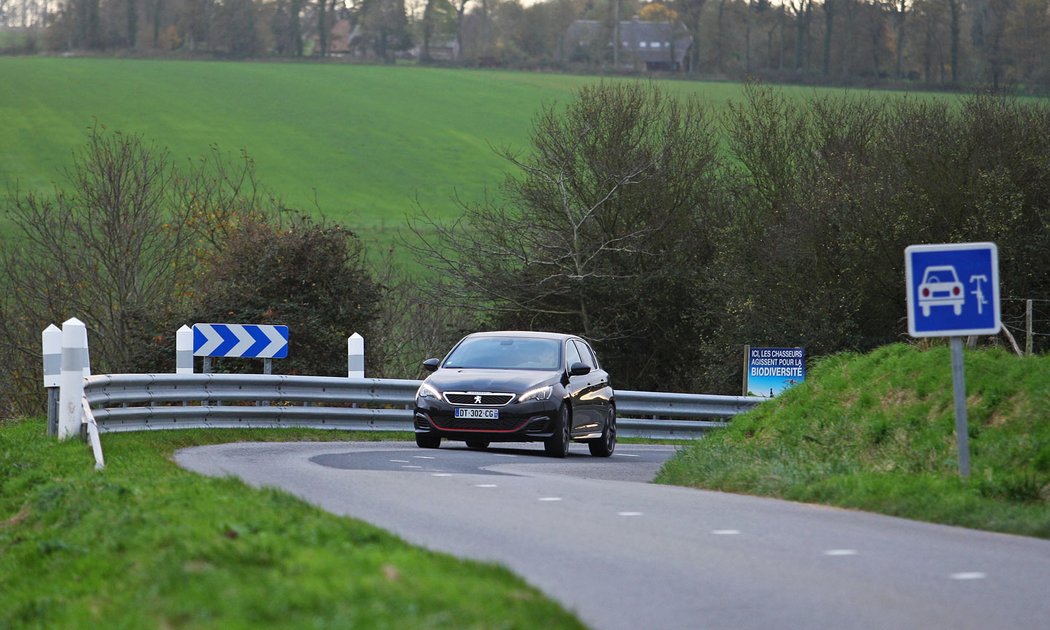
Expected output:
(518, 387)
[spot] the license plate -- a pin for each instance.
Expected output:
(477, 414)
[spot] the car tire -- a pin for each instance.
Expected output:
(558, 444)
(478, 444)
(428, 440)
(606, 444)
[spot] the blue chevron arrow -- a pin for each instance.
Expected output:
(261, 341)
(198, 338)
(229, 340)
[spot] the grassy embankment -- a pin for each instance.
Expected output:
(145, 544)
(876, 432)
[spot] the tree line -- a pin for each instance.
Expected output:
(987, 43)
(672, 235)
(668, 234)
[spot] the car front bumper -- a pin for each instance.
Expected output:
(518, 422)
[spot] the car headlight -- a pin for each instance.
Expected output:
(540, 393)
(428, 391)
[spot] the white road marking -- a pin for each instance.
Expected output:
(400, 461)
(549, 499)
(485, 485)
(971, 575)
(840, 552)
(422, 457)
(411, 466)
(725, 532)
(629, 514)
(440, 474)
(626, 455)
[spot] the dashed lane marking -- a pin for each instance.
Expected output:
(969, 575)
(549, 499)
(629, 514)
(485, 485)
(840, 552)
(726, 532)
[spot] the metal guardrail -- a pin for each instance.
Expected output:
(142, 402)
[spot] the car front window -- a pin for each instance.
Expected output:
(505, 353)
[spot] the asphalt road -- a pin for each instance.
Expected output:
(623, 553)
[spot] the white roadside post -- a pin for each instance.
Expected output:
(355, 356)
(184, 350)
(74, 367)
(51, 340)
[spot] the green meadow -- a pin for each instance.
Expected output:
(364, 145)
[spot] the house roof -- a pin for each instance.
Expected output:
(644, 41)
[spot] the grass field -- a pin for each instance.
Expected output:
(876, 432)
(145, 544)
(362, 143)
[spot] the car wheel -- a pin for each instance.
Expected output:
(479, 444)
(558, 444)
(606, 444)
(428, 440)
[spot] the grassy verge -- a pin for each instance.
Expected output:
(876, 432)
(145, 544)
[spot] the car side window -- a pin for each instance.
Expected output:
(572, 355)
(585, 354)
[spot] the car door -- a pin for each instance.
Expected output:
(599, 390)
(586, 389)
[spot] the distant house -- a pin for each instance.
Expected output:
(441, 49)
(650, 46)
(339, 38)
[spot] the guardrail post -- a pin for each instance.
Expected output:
(75, 366)
(184, 350)
(51, 340)
(355, 356)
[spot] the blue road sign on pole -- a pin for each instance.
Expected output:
(953, 289)
(247, 341)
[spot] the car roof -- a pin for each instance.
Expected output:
(524, 333)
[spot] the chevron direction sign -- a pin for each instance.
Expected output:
(247, 341)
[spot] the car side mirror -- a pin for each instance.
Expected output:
(431, 365)
(579, 369)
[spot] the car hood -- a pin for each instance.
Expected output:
(470, 380)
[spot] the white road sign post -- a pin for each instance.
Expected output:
(51, 340)
(953, 291)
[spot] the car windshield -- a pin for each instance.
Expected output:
(939, 274)
(506, 353)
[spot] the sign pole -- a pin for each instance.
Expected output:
(747, 353)
(962, 434)
(953, 291)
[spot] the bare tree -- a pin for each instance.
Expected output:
(106, 251)
(602, 234)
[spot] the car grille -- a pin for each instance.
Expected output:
(473, 424)
(487, 399)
